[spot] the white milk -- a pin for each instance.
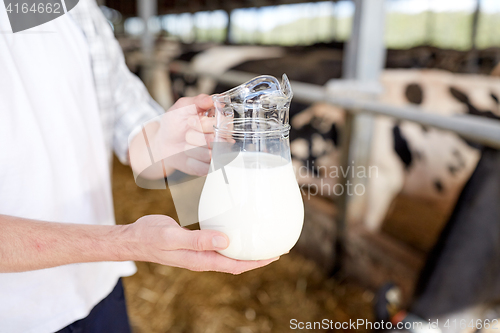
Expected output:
(260, 210)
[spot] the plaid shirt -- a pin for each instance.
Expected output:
(124, 103)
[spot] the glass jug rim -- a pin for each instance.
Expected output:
(284, 85)
(257, 108)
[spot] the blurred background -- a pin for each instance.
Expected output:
(409, 23)
(408, 87)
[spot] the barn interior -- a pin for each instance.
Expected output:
(357, 67)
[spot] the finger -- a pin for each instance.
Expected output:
(213, 261)
(202, 124)
(221, 263)
(208, 124)
(203, 102)
(197, 168)
(184, 105)
(198, 153)
(198, 139)
(197, 240)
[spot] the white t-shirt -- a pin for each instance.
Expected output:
(53, 167)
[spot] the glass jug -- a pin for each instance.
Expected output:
(251, 193)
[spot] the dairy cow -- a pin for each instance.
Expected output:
(410, 159)
(416, 160)
(463, 269)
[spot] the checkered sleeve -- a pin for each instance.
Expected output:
(129, 99)
(133, 107)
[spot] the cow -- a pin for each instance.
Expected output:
(460, 281)
(463, 270)
(411, 159)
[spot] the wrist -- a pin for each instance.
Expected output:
(130, 245)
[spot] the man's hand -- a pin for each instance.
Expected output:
(184, 135)
(181, 139)
(158, 238)
(29, 244)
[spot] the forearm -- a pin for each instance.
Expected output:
(29, 244)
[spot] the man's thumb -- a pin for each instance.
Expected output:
(207, 240)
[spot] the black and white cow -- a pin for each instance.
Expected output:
(412, 159)
(463, 270)
(418, 161)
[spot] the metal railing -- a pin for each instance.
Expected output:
(474, 128)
